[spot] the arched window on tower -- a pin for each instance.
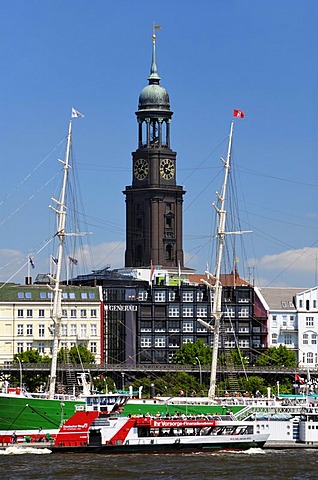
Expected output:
(169, 252)
(154, 134)
(139, 255)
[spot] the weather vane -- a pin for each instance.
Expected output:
(155, 28)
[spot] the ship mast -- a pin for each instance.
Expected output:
(217, 298)
(60, 210)
(216, 287)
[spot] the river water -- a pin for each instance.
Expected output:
(298, 464)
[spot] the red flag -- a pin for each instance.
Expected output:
(299, 379)
(238, 114)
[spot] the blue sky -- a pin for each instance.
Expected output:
(212, 56)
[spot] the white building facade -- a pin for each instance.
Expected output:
(26, 319)
(307, 302)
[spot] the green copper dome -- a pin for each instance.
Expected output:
(154, 97)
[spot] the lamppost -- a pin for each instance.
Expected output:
(200, 370)
(20, 367)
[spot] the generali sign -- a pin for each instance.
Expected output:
(121, 308)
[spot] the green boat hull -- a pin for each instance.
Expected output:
(32, 414)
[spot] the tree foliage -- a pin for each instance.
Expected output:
(32, 381)
(277, 356)
(76, 355)
(189, 354)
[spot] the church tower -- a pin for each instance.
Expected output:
(154, 200)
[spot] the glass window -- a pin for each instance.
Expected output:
(309, 321)
(41, 330)
(93, 313)
(73, 329)
(73, 312)
(172, 296)
(160, 296)
(243, 312)
(310, 357)
(145, 326)
(314, 339)
(91, 295)
(187, 326)
(64, 313)
(160, 342)
(305, 339)
(187, 340)
(20, 312)
(187, 296)
(19, 347)
(173, 312)
(41, 312)
(84, 296)
(200, 296)
(41, 348)
(83, 313)
(20, 295)
(145, 342)
(64, 295)
(29, 312)
(93, 330)
(288, 340)
(142, 295)
(29, 329)
(244, 343)
(160, 326)
(274, 338)
(49, 294)
(174, 326)
(229, 312)
(29, 346)
(19, 329)
(42, 295)
(93, 347)
(202, 312)
(83, 332)
(72, 295)
(64, 329)
(187, 311)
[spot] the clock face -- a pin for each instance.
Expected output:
(166, 168)
(141, 168)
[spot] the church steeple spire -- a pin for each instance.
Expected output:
(154, 77)
(154, 200)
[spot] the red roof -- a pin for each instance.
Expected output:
(227, 279)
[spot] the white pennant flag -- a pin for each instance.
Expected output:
(76, 114)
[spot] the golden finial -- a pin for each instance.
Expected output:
(155, 28)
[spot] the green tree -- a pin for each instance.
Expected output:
(279, 356)
(236, 358)
(32, 381)
(31, 356)
(76, 355)
(190, 352)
